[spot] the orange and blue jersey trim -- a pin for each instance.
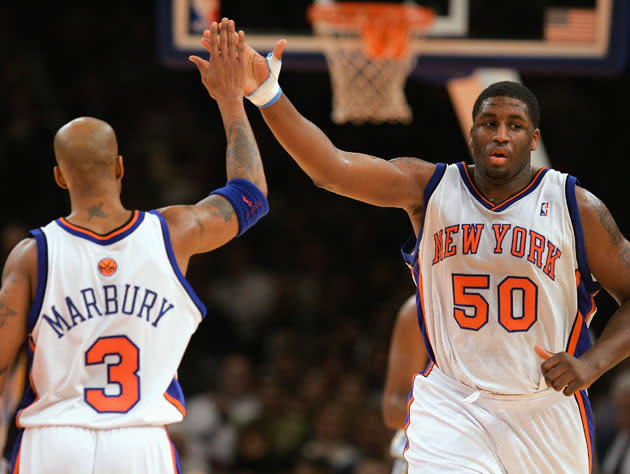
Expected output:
(175, 456)
(42, 276)
(580, 246)
(579, 337)
(106, 239)
(408, 412)
(15, 456)
(175, 396)
(468, 182)
(586, 416)
(409, 252)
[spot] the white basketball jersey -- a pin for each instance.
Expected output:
(109, 326)
(496, 280)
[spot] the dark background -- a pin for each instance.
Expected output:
(333, 265)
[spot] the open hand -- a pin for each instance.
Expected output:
(224, 73)
(564, 371)
(256, 69)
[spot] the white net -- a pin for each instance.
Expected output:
(366, 89)
(367, 49)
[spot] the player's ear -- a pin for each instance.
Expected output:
(59, 179)
(535, 138)
(120, 167)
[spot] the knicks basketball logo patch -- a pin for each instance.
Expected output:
(107, 266)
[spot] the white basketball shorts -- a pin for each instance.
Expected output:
(454, 428)
(73, 450)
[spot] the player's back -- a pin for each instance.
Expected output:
(110, 323)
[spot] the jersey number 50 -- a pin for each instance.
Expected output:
(471, 308)
(123, 373)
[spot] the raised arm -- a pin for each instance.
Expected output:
(16, 294)
(230, 210)
(608, 255)
(407, 356)
(395, 183)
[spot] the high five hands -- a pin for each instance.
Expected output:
(255, 65)
(223, 73)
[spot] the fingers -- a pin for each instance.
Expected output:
(542, 353)
(278, 49)
(223, 38)
(214, 40)
(232, 38)
(200, 63)
(242, 43)
(559, 377)
(571, 388)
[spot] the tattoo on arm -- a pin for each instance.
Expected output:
(5, 313)
(625, 257)
(614, 233)
(609, 224)
(96, 211)
(219, 207)
(242, 155)
(3, 369)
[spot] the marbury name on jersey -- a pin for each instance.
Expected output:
(463, 239)
(124, 300)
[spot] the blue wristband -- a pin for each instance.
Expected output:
(249, 203)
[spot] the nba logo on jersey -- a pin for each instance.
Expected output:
(544, 208)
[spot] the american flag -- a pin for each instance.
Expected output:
(570, 24)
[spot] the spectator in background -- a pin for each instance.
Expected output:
(330, 439)
(209, 432)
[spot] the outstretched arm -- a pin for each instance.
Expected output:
(219, 217)
(394, 183)
(407, 356)
(608, 255)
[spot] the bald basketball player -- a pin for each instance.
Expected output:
(102, 299)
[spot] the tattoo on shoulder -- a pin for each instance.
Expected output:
(4, 369)
(625, 257)
(608, 223)
(5, 313)
(96, 211)
(220, 207)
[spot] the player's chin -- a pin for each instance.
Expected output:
(496, 169)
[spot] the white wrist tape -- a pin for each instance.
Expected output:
(269, 91)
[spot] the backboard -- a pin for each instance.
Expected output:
(586, 37)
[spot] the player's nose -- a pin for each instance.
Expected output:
(501, 133)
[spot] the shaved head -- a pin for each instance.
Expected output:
(86, 145)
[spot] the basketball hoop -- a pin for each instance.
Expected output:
(367, 49)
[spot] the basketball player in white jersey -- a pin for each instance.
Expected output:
(506, 259)
(102, 298)
(406, 357)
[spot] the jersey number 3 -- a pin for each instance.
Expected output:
(471, 307)
(123, 373)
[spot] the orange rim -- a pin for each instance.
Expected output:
(355, 14)
(384, 27)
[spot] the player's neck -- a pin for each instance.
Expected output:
(499, 189)
(100, 216)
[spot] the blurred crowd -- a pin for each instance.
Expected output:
(286, 372)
